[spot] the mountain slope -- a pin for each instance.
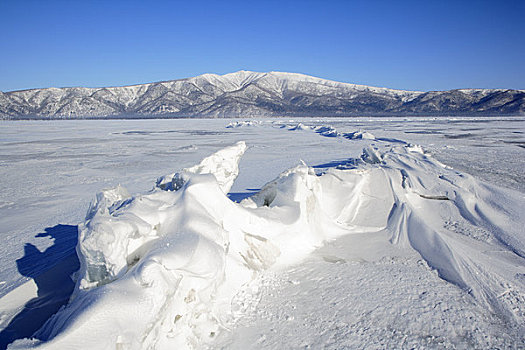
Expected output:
(247, 93)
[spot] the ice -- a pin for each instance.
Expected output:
(385, 244)
(188, 252)
(356, 135)
(327, 131)
(109, 246)
(107, 200)
(184, 252)
(243, 123)
(299, 126)
(224, 165)
(371, 155)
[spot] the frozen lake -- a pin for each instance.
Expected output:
(51, 170)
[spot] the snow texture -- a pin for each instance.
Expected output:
(382, 247)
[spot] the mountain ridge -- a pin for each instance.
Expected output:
(246, 93)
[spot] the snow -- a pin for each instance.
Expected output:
(367, 242)
(245, 93)
(238, 124)
(224, 165)
(301, 77)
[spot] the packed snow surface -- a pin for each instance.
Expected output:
(385, 248)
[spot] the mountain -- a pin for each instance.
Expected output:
(245, 93)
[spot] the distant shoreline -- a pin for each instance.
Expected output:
(157, 117)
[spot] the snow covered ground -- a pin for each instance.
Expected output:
(371, 242)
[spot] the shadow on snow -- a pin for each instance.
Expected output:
(51, 270)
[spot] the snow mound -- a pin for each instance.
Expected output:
(160, 270)
(109, 247)
(330, 131)
(299, 126)
(358, 135)
(327, 131)
(239, 124)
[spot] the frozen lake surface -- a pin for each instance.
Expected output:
(51, 171)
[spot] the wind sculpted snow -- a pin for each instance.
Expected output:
(163, 269)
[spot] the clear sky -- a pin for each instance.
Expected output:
(412, 45)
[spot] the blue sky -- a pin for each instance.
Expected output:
(413, 45)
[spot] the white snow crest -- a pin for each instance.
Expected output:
(224, 165)
(238, 124)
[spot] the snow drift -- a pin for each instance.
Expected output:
(160, 270)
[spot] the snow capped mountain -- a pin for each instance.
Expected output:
(246, 93)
